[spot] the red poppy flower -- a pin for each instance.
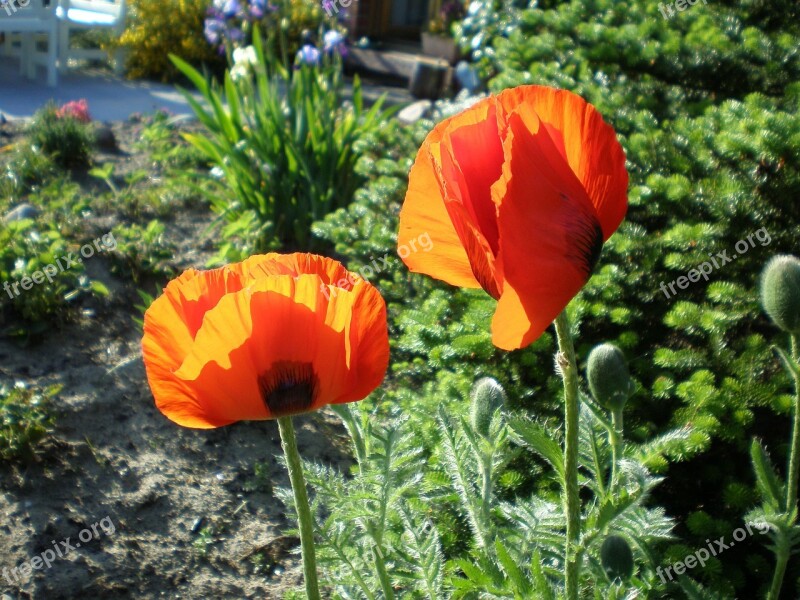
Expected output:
(518, 194)
(272, 336)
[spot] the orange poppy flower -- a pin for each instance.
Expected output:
(272, 336)
(518, 194)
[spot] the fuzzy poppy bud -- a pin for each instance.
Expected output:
(486, 396)
(780, 292)
(617, 558)
(608, 375)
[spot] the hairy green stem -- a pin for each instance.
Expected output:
(571, 498)
(305, 524)
(383, 575)
(486, 493)
(782, 552)
(783, 548)
(616, 444)
(794, 456)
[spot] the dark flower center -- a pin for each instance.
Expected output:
(585, 234)
(288, 388)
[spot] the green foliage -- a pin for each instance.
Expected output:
(383, 527)
(25, 419)
(23, 170)
(375, 529)
(485, 21)
(161, 139)
(285, 145)
(64, 138)
(143, 251)
(26, 248)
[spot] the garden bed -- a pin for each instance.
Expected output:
(190, 512)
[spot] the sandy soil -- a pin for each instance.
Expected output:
(178, 513)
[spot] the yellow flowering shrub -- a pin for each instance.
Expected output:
(157, 28)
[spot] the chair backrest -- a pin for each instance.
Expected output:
(105, 7)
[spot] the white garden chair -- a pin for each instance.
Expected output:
(74, 15)
(31, 22)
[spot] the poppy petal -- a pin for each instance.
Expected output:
(424, 210)
(290, 325)
(473, 143)
(331, 272)
(550, 237)
(170, 324)
(465, 220)
(588, 143)
(423, 213)
(369, 343)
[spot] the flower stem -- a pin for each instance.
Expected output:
(794, 456)
(383, 575)
(782, 546)
(570, 497)
(782, 559)
(295, 467)
(486, 493)
(616, 445)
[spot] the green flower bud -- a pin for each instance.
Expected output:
(616, 558)
(780, 292)
(486, 396)
(609, 378)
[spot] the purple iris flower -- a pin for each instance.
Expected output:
(308, 55)
(228, 8)
(235, 34)
(261, 8)
(334, 41)
(214, 31)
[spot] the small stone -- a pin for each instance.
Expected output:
(21, 212)
(467, 77)
(197, 524)
(414, 112)
(105, 139)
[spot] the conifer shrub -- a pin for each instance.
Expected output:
(707, 107)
